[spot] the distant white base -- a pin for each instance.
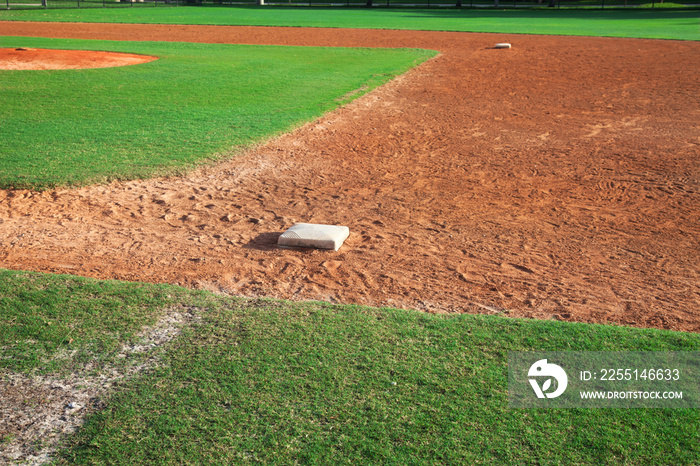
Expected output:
(502, 45)
(310, 235)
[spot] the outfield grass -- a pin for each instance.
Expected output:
(682, 24)
(197, 102)
(262, 381)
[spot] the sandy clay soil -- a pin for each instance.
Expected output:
(42, 59)
(557, 179)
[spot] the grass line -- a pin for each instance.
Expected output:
(273, 382)
(196, 103)
(56, 323)
(680, 24)
(278, 383)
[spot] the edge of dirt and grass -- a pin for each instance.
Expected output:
(250, 381)
(97, 125)
(657, 23)
(276, 382)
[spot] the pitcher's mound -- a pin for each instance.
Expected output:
(45, 59)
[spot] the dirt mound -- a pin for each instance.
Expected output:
(48, 59)
(557, 179)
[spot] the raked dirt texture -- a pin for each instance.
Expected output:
(557, 179)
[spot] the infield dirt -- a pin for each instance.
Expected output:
(557, 179)
(49, 59)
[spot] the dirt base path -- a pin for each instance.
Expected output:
(557, 179)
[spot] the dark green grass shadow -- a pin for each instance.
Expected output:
(608, 14)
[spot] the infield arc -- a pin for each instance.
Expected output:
(20, 58)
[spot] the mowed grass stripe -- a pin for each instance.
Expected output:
(197, 103)
(658, 23)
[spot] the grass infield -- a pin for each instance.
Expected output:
(262, 381)
(681, 24)
(198, 102)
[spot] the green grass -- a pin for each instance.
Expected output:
(271, 382)
(56, 323)
(278, 383)
(198, 102)
(683, 24)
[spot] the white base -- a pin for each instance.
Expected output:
(503, 45)
(310, 235)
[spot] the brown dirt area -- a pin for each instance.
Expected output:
(557, 179)
(50, 59)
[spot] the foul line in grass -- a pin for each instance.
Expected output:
(59, 405)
